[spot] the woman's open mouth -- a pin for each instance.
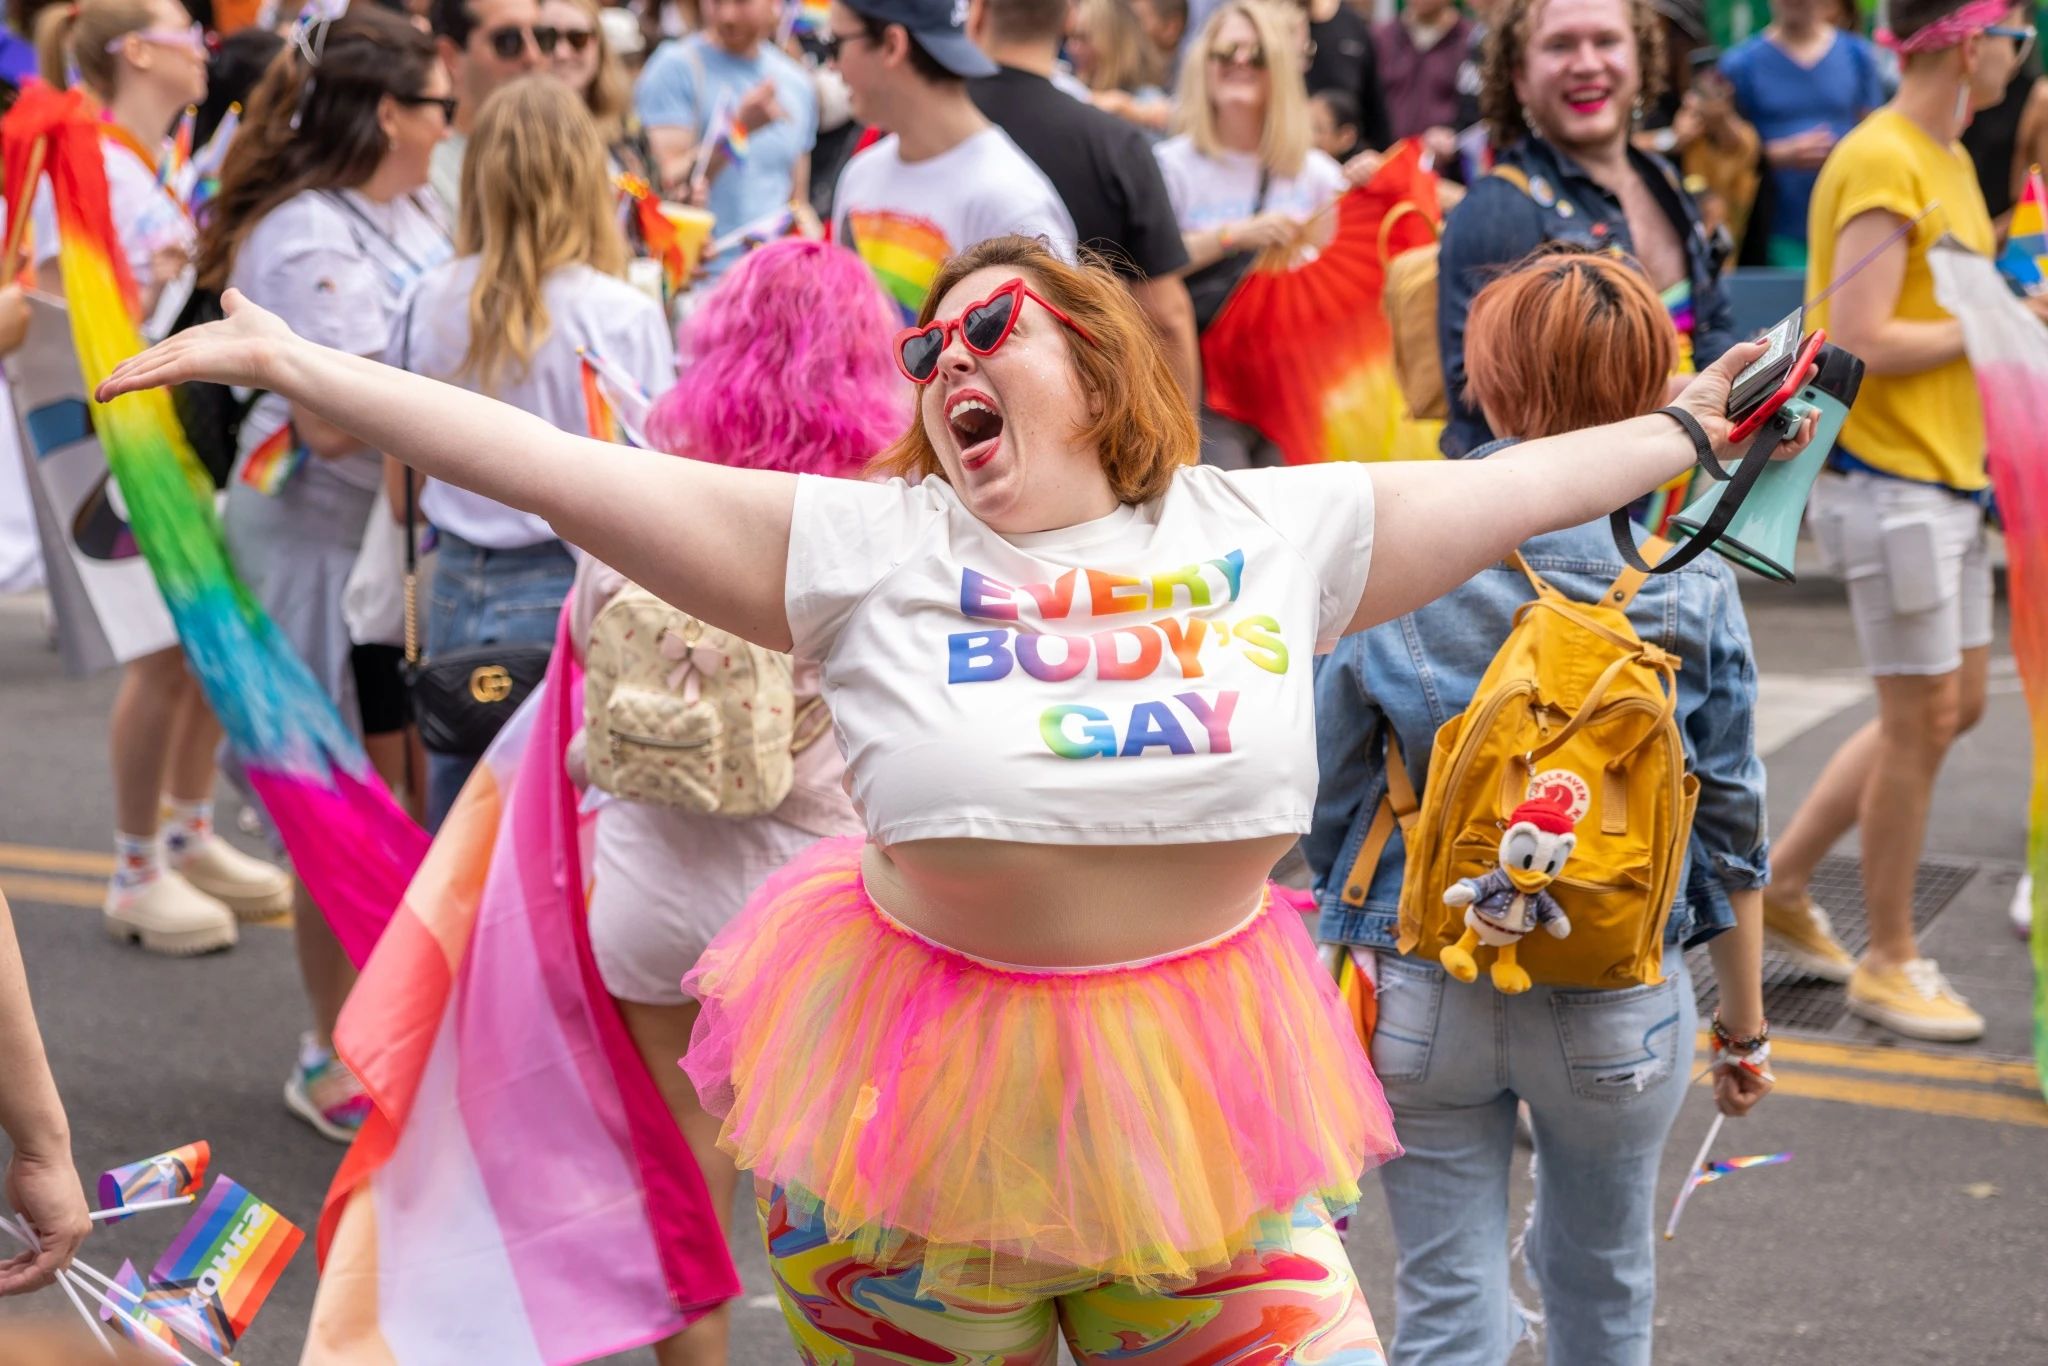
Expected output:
(977, 427)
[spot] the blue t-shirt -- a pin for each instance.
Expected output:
(1781, 97)
(684, 85)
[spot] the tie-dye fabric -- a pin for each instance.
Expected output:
(1295, 1301)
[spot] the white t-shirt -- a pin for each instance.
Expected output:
(585, 308)
(1175, 709)
(336, 267)
(147, 216)
(1210, 191)
(905, 218)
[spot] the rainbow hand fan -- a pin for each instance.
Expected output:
(1302, 351)
(352, 847)
(2008, 350)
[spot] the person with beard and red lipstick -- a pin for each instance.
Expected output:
(1562, 82)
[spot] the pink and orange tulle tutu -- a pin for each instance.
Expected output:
(1034, 1130)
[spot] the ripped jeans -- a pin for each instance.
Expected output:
(1604, 1073)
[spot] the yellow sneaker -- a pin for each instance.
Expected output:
(1800, 930)
(1914, 999)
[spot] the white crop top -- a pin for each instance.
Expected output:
(1139, 679)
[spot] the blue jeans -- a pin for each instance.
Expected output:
(1604, 1073)
(488, 597)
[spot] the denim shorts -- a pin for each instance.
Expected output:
(1917, 565)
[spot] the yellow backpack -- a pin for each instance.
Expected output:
(1573, 690)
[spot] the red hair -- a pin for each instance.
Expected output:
(1138, 419)
(1567, 339)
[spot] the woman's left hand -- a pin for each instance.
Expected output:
(1706, 398)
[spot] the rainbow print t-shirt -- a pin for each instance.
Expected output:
(1143, 678)
(904, 218)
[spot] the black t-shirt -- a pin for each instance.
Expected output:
(1101, 165)
(1345, 61)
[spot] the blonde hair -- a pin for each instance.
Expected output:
(536, 196)
(1123, 59)
(79, 35)
(1285, 140)
(610, 97)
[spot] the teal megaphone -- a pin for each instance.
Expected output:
(1761, 531)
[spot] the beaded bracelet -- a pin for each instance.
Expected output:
(1724, 1042)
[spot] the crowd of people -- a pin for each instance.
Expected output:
(936, 385)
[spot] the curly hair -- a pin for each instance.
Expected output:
(1507, 43)
(789, 365)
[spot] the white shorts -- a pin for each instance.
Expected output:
(1917, 565)
(664, 882)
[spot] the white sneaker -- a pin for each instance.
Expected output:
(2022, 910)
(325, 1093)
(246, 885)
(168, 915)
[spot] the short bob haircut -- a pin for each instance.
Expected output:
(1138, 420)
(1608, 344)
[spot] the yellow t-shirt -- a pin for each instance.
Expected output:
(1928, 426)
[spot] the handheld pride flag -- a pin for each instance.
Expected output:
(167, 1176)
(214, 1278)
(208, 160)
(175, 165)
(137, 1320)
(2025, 259)
(351, 845)
(615, 408)
(2008, 351)
(1704, 1171)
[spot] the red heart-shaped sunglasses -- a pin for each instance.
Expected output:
(984, 327)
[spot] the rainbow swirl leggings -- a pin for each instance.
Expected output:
(1299, 1304)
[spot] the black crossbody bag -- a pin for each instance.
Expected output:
(461, 699)
(1211, 287)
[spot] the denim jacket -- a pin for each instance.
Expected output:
(1497, 225)
(1417, 671)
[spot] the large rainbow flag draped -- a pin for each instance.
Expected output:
(2008, 349)
(1302, 351)
(350, 843)
(520, 1193)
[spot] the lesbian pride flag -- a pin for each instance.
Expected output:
(212, 1280)
(520, 1195)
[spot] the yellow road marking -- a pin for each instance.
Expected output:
(1957, 1103)
(54, 891)
(1909, 1062)
(42, 860)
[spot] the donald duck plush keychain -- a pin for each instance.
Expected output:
(1507, 903)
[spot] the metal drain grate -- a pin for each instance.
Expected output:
(1793, 1001)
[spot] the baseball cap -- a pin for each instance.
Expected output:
(940, 27)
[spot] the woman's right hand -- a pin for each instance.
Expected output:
(245, 349)
(1261, 231)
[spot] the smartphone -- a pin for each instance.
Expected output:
(1765, 374)
(1912, 565)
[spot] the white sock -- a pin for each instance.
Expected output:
(138, 861)
(187, 827)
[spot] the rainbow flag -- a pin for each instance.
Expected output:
(614, 405)
(212, 1280)
(2008, 351)
(903, 250)
(273, 461)
(176, 162)
(657, 232)
(139, 1319)
(519, 1192)
(350, 843)
(208, 160)
(1302, 349)
(807, 18)
(732, 140)
(2025, 259)
(166, 1176)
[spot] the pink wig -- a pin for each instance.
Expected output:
(787, 366)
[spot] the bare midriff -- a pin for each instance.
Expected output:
(1068, 905)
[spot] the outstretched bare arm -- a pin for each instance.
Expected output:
(712, 540)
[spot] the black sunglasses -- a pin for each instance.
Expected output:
(829, 45)
(508, 42)
(578, 38)
(445, 103)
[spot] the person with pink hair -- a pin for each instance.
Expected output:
(787, 366)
